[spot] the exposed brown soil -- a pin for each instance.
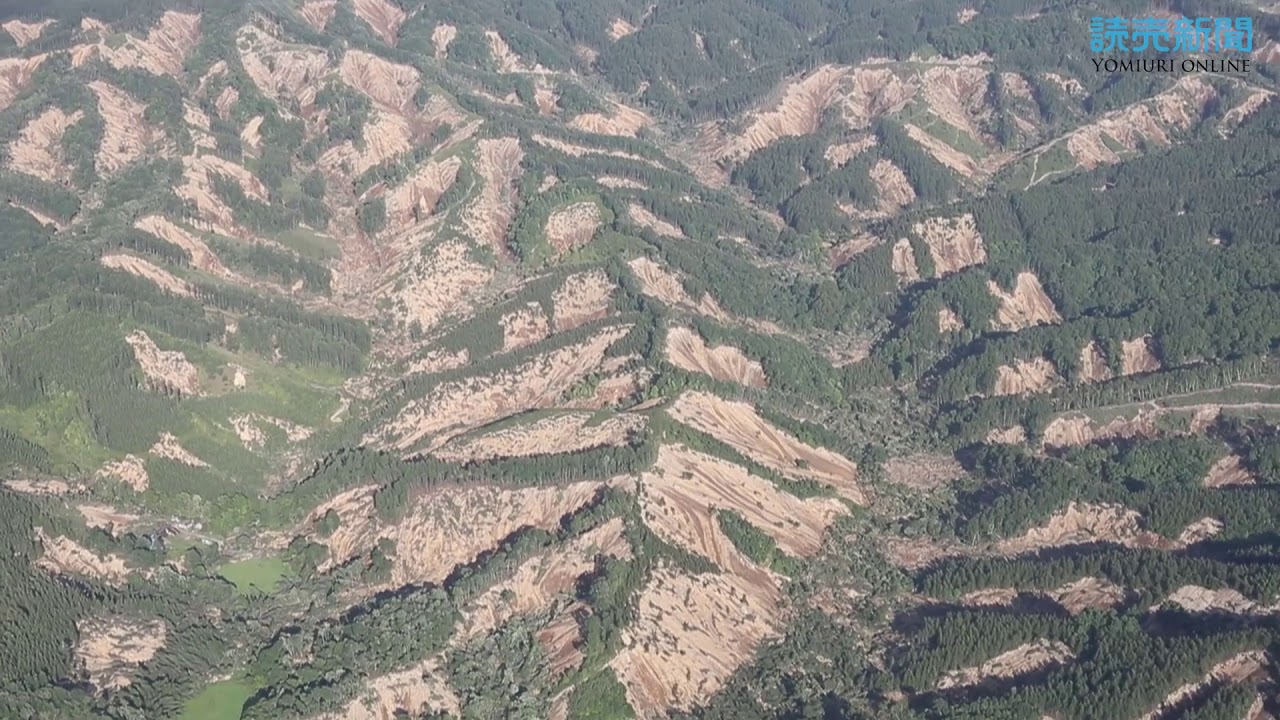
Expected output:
(168, 447)
(560, 639)
(125, 135)
(15, 75)
(1021, 660)
(942, 152)
(691, 633)
(38, 149)
(414, 200)
(620, 28)
(420, 690)
(954, 242)
(895, 189)
(201, 256)
(508, 61)
(461, 405)
(1200, 530)
(797, 112)
(445, 527)
(904, 262)
(576, 150)
(1082, 523)
(282, 71)
(437, 283)
(1013, 435)
(226, 100)
(567, 433)
(384, 17)
(524, 327)
(65, 556)
(198, 174)
(1234, 669)
(39, 487)
(1025, 377)
(498, 164)
(738, 425)
(624, 121)
(1228, 472)
(1197, 599)
(618, 182)
(24, 33)
(1093, 366)
(391, 86)
(249, 428)
(839, 154)
(441, 36)
(318, 13)
(251, 135)
(1089, 593)
(658, 282)
(682, 492)
(573, 226)
(539, 581)
(949, 321)
(1027, 306)
(1073, 430)
(843, 252)
(146, 269)
(131, 471)
(165, 370)
(583, 297)
(686, 350)
(1137, 356)
(1145, 124)
(922, 471)
(1241, 112)
(162, 52)
(106, 517)
(109, 648)
(438, 361)
(640, 215)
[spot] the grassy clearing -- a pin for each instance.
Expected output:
(256, 575)
(310, 244)
(219, 701)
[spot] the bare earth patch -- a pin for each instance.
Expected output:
(572, 226)
(67, 557)
(895, 189)
(201, 256)
(1027, 306)
(738, 425)
(1012, 435)
(944, 153)
(1234, 669)
(445, 527)
(524, 327)
(539, 581)
(798, 112)
(620, 28)
(1089, 593)
(839, 154)
(686, 350)
(162, 52)
(441, 36)
(146, 269)
(318, 13)
(414, 200)
(39, 487)
(642, 216)
(110, 648)
(1021, 660)
(384, 17)
(583, 297)
(15, 76)
(576, 150)
(508, 61)
(949, 321)
(1073, 430)
(565, 433)
(126, 135)
(282, 71)
(656, 281)
(106, 517)
(38, 149)
(249, 428)
(1082, 523)
(1025, 377)
(251, 134)
(1228, 472)
(24, 33)
(1137, 356)
(623, 121)
(1197, 599)
(131, 471)
(164, 369)
(438, 283)
(690, 635)
(1093, 366)
(198, 174)
(610, 181)
(498, 163)
(904, 262)
(419, 690)
(461, 405)
(168, 447)
(953, 242)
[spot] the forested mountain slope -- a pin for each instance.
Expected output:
(568, 359)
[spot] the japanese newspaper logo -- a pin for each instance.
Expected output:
(1162, 35)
